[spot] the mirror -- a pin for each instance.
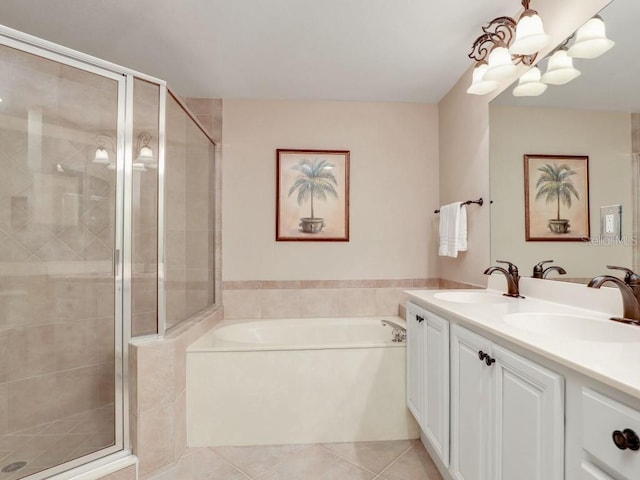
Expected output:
(596, 115)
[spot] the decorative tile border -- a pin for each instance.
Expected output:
(322, 298)
(309, 284)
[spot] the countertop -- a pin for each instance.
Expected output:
(616, 364)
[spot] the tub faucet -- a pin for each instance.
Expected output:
(512, 276)
(629, 289)
(539, 272)
(399, 332)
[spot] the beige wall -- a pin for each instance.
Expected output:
(464, 144)
(393, 189)
(603, 136)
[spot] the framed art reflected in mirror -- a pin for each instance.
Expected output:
(556, 198)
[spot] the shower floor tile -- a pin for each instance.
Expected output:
(56, 442)
(393, 460)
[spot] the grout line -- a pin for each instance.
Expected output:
(228, 462)
(413, 443)
(348, 461)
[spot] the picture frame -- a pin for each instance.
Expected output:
(312, 195)
(556, 198)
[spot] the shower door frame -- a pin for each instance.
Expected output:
(86, 465)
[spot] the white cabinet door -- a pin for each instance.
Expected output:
(590, 472)
(528, 413)
(470, 401)
(436, 386)
(415, 362)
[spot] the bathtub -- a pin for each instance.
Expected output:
(310, 380)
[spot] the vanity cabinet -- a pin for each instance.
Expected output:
(428, 376)
(609, 438)
(415, 362)
(507, 413)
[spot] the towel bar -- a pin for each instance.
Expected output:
(480, 201)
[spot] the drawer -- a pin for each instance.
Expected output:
(601, 416)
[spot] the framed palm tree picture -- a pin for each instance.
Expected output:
(556, 198)
(312, 198)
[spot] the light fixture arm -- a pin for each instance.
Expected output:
(499, 32)
(103, 140)
(144, 138)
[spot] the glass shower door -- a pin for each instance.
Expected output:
(60, 311)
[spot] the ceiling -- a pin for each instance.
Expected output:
(359, 50)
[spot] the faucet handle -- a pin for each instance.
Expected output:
(513, 270)
(540, 264)
(537, 269)
(630, 276)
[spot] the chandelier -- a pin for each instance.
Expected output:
(506, 43)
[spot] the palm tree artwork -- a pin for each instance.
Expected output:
(555, 185)
(315, 181)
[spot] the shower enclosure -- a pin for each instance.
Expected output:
(106, 232)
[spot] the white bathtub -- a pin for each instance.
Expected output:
(310, 380)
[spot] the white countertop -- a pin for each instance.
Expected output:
(616, 364)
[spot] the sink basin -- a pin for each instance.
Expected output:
(574, 327)
(471, 297)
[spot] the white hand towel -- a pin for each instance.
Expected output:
(453, 229)
(461, 237)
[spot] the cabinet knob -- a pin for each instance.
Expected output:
(482, 355)
(489, 361)
(419, 319)
(627, 439)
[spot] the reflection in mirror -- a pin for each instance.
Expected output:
(597, 115)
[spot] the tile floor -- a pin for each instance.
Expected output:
(394, 460)
(55, 442)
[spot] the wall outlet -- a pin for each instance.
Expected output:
(611, 222)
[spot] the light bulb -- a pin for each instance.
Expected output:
(480, 86)
(591, 40)
(560, 69)
(146, 154)
(530, 35)
(500, 66)
(102, 156)
(529, 84)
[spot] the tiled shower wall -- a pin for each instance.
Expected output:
(189, 214)
(56, 343)
(56, 232)
(208, 111)
(144, 221)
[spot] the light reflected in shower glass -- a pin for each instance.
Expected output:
(57, 217)
(189, 217)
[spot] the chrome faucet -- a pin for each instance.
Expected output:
(630, 290)
(539, 272)
(399, 332)
(512, 276)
